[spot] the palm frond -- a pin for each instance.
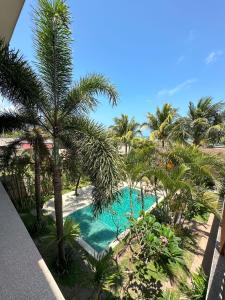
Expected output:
(100, 158)
(15, 74)
(8, 152)
(83, 96)
(53, 51)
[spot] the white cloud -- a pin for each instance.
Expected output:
(178, 88)
(213, 56)
(180, 59)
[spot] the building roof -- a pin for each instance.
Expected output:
(9, 14)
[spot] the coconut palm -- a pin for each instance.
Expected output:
(204, 123)
(62, 108)
(160, 124)
(140, 166)
(125, 130)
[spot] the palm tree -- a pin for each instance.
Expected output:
(62, 109)
(160, 124)
(125, 130)
(204, 122)
(187, 178)
(140, 166)
(17, 120)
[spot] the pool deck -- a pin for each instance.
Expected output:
(71, 202)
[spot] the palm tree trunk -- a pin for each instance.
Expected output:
(57, 185)
(155, 191)
(131, 203)
(37, 180)
(142, 199)
(77, 186)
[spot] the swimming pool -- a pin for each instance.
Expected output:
(101, 231)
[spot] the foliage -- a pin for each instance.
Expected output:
(203, 125)
(143, 285)
(189, 181)
(158, 243)
(198, 288)
(125, 130)
(37, 230)
(107, 275)
(70, 234)
(161, 123)
(170, 294)
(61, 108)
(188, 238)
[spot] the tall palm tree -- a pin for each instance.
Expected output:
(160, 124)
(125, 130)
(62, 108)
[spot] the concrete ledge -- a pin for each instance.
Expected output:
(23, 273)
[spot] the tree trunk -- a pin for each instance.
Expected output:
(37, 179)
(57, 185)
(126, 148)
(155, 191)
(142, 199)
(131, 203)
(77, 186)
(163, 143)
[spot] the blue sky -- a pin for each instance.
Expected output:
(153, 51)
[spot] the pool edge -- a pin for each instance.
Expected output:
(98, 255)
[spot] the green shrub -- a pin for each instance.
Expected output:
(197, 289)
(158, 243)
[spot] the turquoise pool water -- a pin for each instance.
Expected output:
(101, 231)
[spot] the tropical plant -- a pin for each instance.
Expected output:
(62, 110)
(134, 175)
(143, 284)
(125, 130)
(188, 178)
(197, 289)
(140, 166)
(40, 151)
(158, 245)
(170, 294)
(204, 123)
(70, 233)
(72, 169)
(161, 123)
(107, 276)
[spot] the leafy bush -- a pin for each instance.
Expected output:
(158, 243)
(71, 231)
